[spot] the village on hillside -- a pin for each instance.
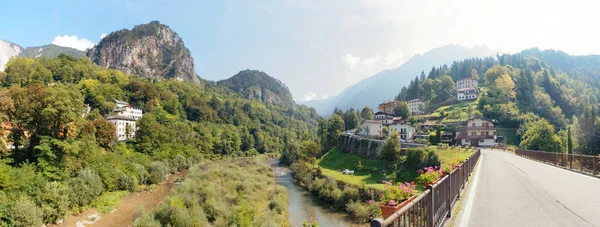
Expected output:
(474, 131)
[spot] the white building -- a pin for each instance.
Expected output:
(372, 128)
(384, 118)
(124, 120)
(467, 89)
(406, 132)
(126, 110)
(477, 133)
(416, 106)
(125, 127)
(466, 83)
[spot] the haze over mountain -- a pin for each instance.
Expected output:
(386, 84)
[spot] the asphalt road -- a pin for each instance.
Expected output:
(508, 190)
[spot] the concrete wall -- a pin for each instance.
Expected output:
(366, 147)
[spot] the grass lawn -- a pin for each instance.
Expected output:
(447, 154)
(371, 174)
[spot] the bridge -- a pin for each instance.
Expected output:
(527, 188)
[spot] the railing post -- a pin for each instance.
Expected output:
(556, 160)
(377, 222)
(570, 161)
(580, 162)
(594, 165)
(448, 195)
(432, 216)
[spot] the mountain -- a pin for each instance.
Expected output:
(257, 85)
(150, 50)
(581, 67)
(50, 51)
(8, 50)
(386, 84)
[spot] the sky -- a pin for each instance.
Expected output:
(316, 47)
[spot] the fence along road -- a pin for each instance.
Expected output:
(515, 191)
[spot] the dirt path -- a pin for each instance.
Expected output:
(124, 213)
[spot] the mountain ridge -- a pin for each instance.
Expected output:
(386, 84)
(258, 85)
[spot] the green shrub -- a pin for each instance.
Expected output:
(85, 188)
(432, 159)
(141, 172)
(109, 201)
(146, 220)
(26, 213)
(126, 182)
(363, 212)
(414, 158)
(55, 202)
(350, 193)
(180, 163)
(157, 172)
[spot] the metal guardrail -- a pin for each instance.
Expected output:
(434, 205)
(583, 163)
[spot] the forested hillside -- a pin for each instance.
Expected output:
(65, 160)
(50, 51)
(539, 100)
(257, 85)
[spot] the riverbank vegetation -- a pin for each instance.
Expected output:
(229, 192)
(65, 159)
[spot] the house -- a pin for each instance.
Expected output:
(406, 132)
(467, 89)
(125, 127)
(388, 106)
(372, 128)
(466, 83)
(384, 118)
(477, 133)
(126, 110)
(416, 106)
(428, 126)
(124, 119)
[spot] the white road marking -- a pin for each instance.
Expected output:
(464, 221)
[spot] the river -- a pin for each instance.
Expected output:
(302, 204)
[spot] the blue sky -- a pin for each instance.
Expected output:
(316, 47)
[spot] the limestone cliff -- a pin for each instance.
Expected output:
(150, 50)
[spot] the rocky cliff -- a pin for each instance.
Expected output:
(8, 50)
(257, 85)
(150, 50)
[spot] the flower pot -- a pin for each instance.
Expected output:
(427, 184)
(387, 211)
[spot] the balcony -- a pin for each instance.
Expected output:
(476, 137)
(480, 128)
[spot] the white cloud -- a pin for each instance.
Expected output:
(325, 97)
(395, 57)
(309, 96)
(351, 60)
(73, 42)
(370, 61)
(102, 36)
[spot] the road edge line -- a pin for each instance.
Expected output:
(464, 220)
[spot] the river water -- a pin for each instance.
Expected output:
(302, 204)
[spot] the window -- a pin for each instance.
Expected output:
(473, 133)
(473, 124)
